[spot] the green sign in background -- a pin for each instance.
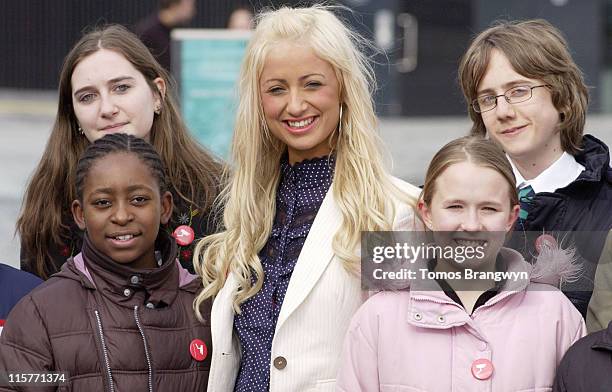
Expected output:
(209, 69)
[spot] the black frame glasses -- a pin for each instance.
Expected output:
(512, 96)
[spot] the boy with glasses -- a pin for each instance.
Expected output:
(525, 92)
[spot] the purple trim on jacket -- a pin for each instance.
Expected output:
(185, 277)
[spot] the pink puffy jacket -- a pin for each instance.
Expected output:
(422, 341)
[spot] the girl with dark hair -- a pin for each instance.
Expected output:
(127, 321)
(111, 83)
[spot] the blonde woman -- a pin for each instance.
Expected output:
(308, 179)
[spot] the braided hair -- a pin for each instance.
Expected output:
(116, 143)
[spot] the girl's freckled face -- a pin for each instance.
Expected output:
(470, 206)
(469, 197)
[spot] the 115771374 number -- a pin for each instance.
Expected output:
(32, 378)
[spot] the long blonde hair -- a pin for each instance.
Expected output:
(361, 187)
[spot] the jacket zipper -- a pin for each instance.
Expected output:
(144, 341)
(105, 352)
(497, 298)
(422, 298)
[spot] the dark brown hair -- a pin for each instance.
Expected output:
(114, 143)
(193, 172)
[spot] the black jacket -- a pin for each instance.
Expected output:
(579, 214)
(587, 365)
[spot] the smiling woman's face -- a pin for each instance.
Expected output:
(110, 95)
(300, 96)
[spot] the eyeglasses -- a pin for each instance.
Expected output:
(514, 95)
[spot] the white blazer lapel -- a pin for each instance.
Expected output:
(314, 257)
(222, 316)
(226, 351)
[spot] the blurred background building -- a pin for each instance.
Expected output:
(422, 39)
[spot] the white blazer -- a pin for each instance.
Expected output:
(320, 301)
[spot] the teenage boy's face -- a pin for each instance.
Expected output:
(122, 209)
(527, 131)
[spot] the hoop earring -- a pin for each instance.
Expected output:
(332, 146)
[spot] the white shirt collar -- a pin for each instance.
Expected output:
(558, 175)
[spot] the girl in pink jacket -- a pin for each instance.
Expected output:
(495, 323)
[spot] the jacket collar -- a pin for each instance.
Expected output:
(428, 302)
(128, 286)
(431, 307)
(604, 340)
(560, 174)
(595, 157)
(500, 265)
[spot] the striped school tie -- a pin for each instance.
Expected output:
(526, 195)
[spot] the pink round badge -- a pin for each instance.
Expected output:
(545, 240)
(198, 350)
(482, 369)
(184, 235)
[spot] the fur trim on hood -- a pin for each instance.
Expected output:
(556, 266)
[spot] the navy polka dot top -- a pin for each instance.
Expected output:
(300, 194)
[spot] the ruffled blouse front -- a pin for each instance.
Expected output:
(301, 191)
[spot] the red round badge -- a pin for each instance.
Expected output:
(184, 235)
(198, 350)
(482, 369)
(545, 240)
